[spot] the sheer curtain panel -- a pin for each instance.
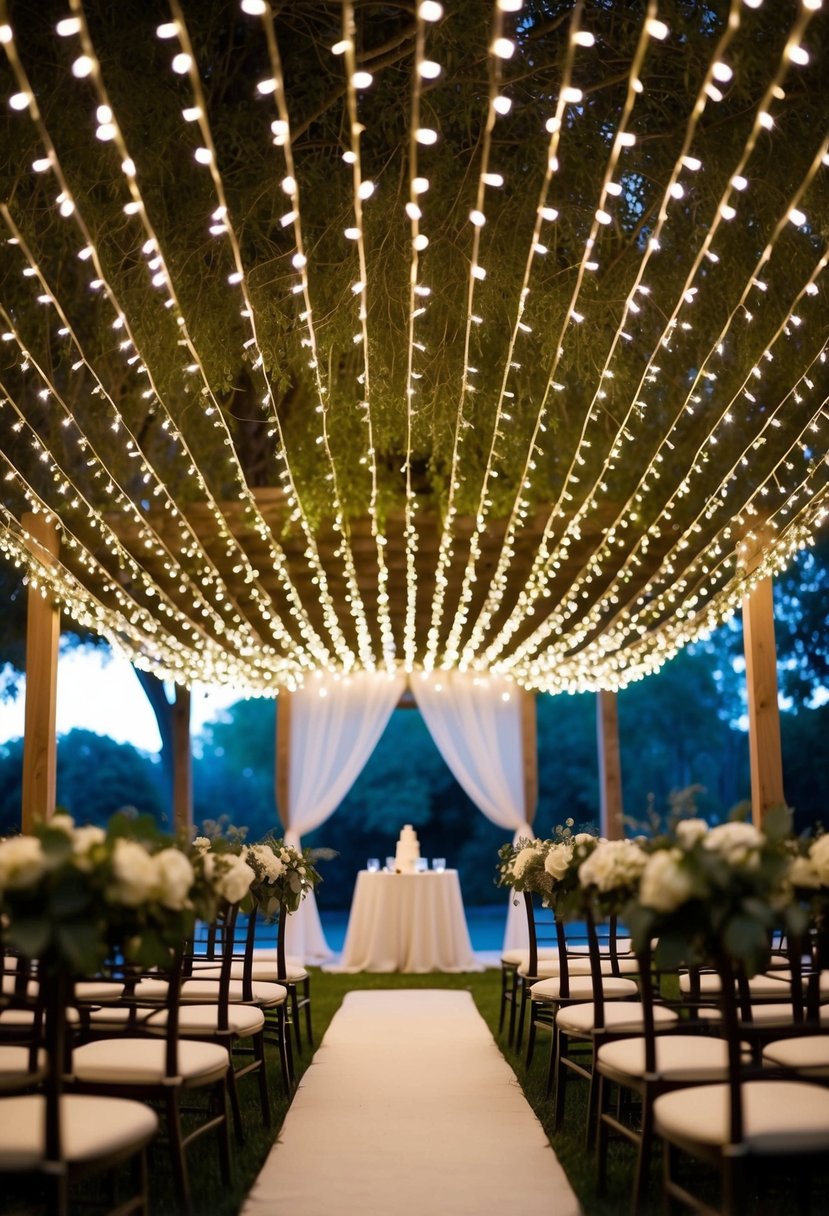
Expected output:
(477, 723)
(333, 725)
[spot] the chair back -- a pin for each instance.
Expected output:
(544, 929)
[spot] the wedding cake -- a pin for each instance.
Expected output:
(407, 851)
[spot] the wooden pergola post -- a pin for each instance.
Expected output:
(283, 756)
(182, 763)
(529, 753)
(610, 765)
(763, 710)
(42, 638)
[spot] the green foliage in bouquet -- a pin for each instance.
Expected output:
(72, 896)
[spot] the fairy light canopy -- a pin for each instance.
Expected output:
(478, 335)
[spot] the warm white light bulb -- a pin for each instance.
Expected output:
(430, 10)
(413, 211)
(362, 80)
(656, 28)
(501, 104)
(68, 26)
(82, 66)
(426, 136)
(203, 155)
(492, 179)
(254, 8)
(266, 86)
(571, 96)
(182, 63)
(428, 69)
(478, 218)
(19, 101)
(503, 48)
(721, 72)
(583, 38)
(366, 190)
(420, 185)
(168, 30)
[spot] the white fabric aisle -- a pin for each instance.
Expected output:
(410, 1108)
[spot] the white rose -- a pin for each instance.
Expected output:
(819, 857)
(84, 841)
(665, 885)
(272, 867)
(22, 862)
(231, 875)
(689, 831)
(583, 838)
(558, 860)
(174, 878)
(135, 873)
(202, 844)
(523, 859)
(63, 822)
(804, 873)
(737, 843)
(613, 863)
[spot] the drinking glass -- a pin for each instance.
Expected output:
(421, 865)
(438, 864)
(373, 865)
(390, 864)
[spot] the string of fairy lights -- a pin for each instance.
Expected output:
(669, 561)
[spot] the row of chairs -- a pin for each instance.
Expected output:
(91, 1069)
(716, 1066)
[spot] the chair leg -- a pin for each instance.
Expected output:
(262, 1072)
(233, 1094)
(592, 1096)
(522, 1014)
(530, 1038)
(643, 1155)
(220, 1104)
(306, 996)
(602, 1137)
(517, 987)
(502, 1009)
(178, 1159)
(551, 1061)
(561, 1081)
(295, 1018)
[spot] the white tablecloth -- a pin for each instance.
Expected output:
(407, 922)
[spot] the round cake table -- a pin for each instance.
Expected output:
(407, 922)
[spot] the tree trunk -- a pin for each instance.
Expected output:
(173, 718)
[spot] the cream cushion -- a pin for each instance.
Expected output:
(580, 966)
(618, 1015)
(202, 1020)
(262, 969)
(778, 1116)
(581, 989)
(808, 1053)
(521, 958)
(15, 1072)
(206, 989)
(758, 985)
(679, 1057)
(98, 992)
(142, 1061)
(91, 1127)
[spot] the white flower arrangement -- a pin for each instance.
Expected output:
(738, 843)
(665, 884)
(613, 864)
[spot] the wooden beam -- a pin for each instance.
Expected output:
(283, 757)
(610, 765)
(529, 752)
(182, 763)
(42, 638)
(763, 711)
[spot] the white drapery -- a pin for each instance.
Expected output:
(335, 724)
(476, 723)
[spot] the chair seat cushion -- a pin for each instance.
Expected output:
(142, 1062)
(201, 1021)
(778, 1116)
(98, 992)
(521, 958)
(262, 969)
(620, 1016)
(92, 1128)
(758, 985)
(679, 1057)
(206, 988)
(808, 1053)
(548, 968)
(581, 989)
(15, 1071)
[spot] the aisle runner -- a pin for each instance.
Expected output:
(409, 1108)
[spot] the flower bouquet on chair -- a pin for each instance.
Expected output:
(283, 874)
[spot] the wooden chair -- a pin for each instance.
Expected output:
(740, 1125)
(55, 1140)
(166, 1071)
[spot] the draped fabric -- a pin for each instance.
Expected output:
(335, 724)
(476, 723)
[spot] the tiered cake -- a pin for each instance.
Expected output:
(407, 851)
